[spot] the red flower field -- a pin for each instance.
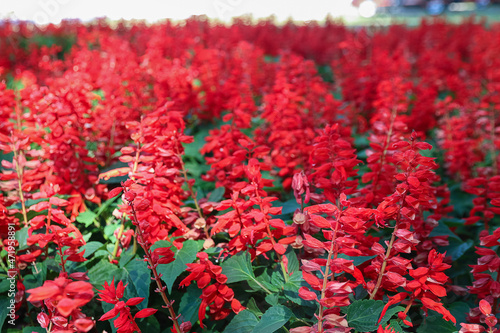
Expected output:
(247, 178)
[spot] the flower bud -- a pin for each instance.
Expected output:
(200, 223)
(299, 218)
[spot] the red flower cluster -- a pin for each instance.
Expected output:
(215, 293)
(125, 322)
(291, 150)
(61, 300)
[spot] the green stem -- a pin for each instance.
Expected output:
(117, 243)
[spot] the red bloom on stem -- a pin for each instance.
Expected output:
(62, 300)
(125, 323)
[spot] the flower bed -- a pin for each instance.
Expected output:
(199, 177)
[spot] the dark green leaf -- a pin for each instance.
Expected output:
(253, 307)
(457, 248)
(391, 312)
(217, 194)
(184, 256)
(22, 237)
(107, 307)
(125, 257)
(288, 207)
(4, 311)
(190, 303)
(243, 322)
(238, 268)
(363, 315)
(32, 329)
(139, 279)
(291, 289)
(273, 319)
(87, 217)
(459, 310)
(356, 260)
(4, 285)
(293, 263)
(91, 247)
(272, 299)
(161, 243)
(114, 180)
(193, 149)
(149, 324)
(436, 323)
(394, 323)
(104, 271)
(443, 230)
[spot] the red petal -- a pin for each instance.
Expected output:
(145, 313)
(312, 242)
(306, 294)
(110, 314)
(485, 307)
(84, 324)
(134, 301)
(114, 192)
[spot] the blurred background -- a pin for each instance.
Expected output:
(353, 12)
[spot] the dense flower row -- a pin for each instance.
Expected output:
(309, 178)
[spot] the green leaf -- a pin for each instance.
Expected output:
(4, 311)
(238, 268)
(253, 307)
(135, 273)
(4, 285)
(457, 248)
(394, 323)
(193, 149)
(91, 247)
(184, 256)
(436, 323)
(38, 277)
(217, 194)
(391, 312)
(32, 329)
(22, 237)
(139, 278)
(190, 303)
(272, 299)
(243, 322)
(159, 244)
(287, 207)
(363, 315)
(263, 282)
(109, 231)
(459, 310)
(293, 262)
(443, 230)
(149, 324)
(356, 260)
(291, 290)
(104, 271)
(274, 318)
(277, 279)
(87, 217)
(125, 257)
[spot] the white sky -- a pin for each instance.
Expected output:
(45, 11)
